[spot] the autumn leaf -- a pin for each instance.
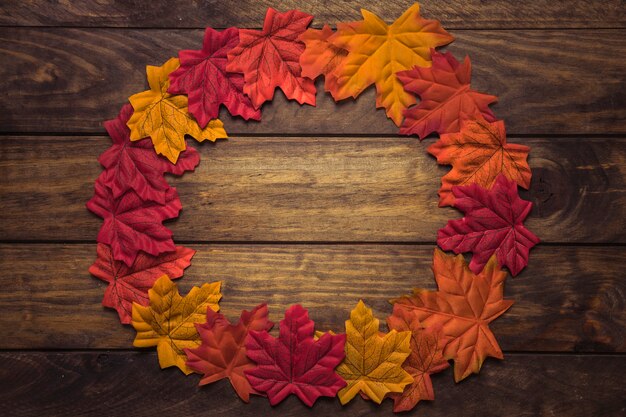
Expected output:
(464, 306)
(295, 363)
(426, 358)
(378, 51)
(222, 353)
(132, 224)
(270, 58)
(134, 165)
(164, 117)
(373, 363)
(446, 98)
(169, 321)
(321, 57)
(479, 153)
(128, 285)
(202, 76)
(493, 224)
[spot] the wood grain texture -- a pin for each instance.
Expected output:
(568, 299)
(131, 384)
(312, 189)
(216, 13)
(548, 82)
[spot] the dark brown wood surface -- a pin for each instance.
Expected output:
(321, 206)
(130, 384)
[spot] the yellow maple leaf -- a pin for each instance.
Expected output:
(169, 321)
(378, 51)
(373, 362)
(165, 118)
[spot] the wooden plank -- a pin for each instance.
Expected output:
(568, 299)
(125, 383)
(189, 13)
(549, 82)
(312, 189)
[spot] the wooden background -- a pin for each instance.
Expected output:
(319, 206)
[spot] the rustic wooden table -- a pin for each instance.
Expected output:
(318, 206)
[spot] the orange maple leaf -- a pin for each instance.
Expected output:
(426, 358)
(464, 306)
(378, 51)
(478, 154)
(320, 56)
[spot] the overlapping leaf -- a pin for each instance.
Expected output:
(377, 52)
(320, 56)
(479, 153)
(270, 58)
(446, 98)
(165, 118)
(295, 363)
(202, 76)
(222, 353)
(426, 358)
(464, 306)
(373, 363)
(169, 321)
(132, 224)
(134, 165)
(128, 285)
(492, 225)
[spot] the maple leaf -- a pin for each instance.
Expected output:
(128, 285)
(134, 165)
(373, 363)
(378, 51)
(132, 224)
(426, 358)
(295, 363)
(492, 224)
(445, 97)
(164, 117)
(464, 306)
(222, 353)
(321, 57)
(270, 58)
(478, 154)
(202, 76)
(169, 321)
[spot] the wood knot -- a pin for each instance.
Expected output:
(46, 73)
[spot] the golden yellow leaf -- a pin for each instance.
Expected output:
(169, 321)
(373, 362)
(377, 51)
(165, 118)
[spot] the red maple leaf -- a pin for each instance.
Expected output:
(426, 358)
(202, 76)
(270, 58)
(492, 224)
(135, 166)
(128, 285)
(295, 363)
(222, 353)
(132, 224)
(445, 97)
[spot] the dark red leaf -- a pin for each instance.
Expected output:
(135, 166)
(202, 76)
(132, 224)
(492, 224)
(295, 363)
